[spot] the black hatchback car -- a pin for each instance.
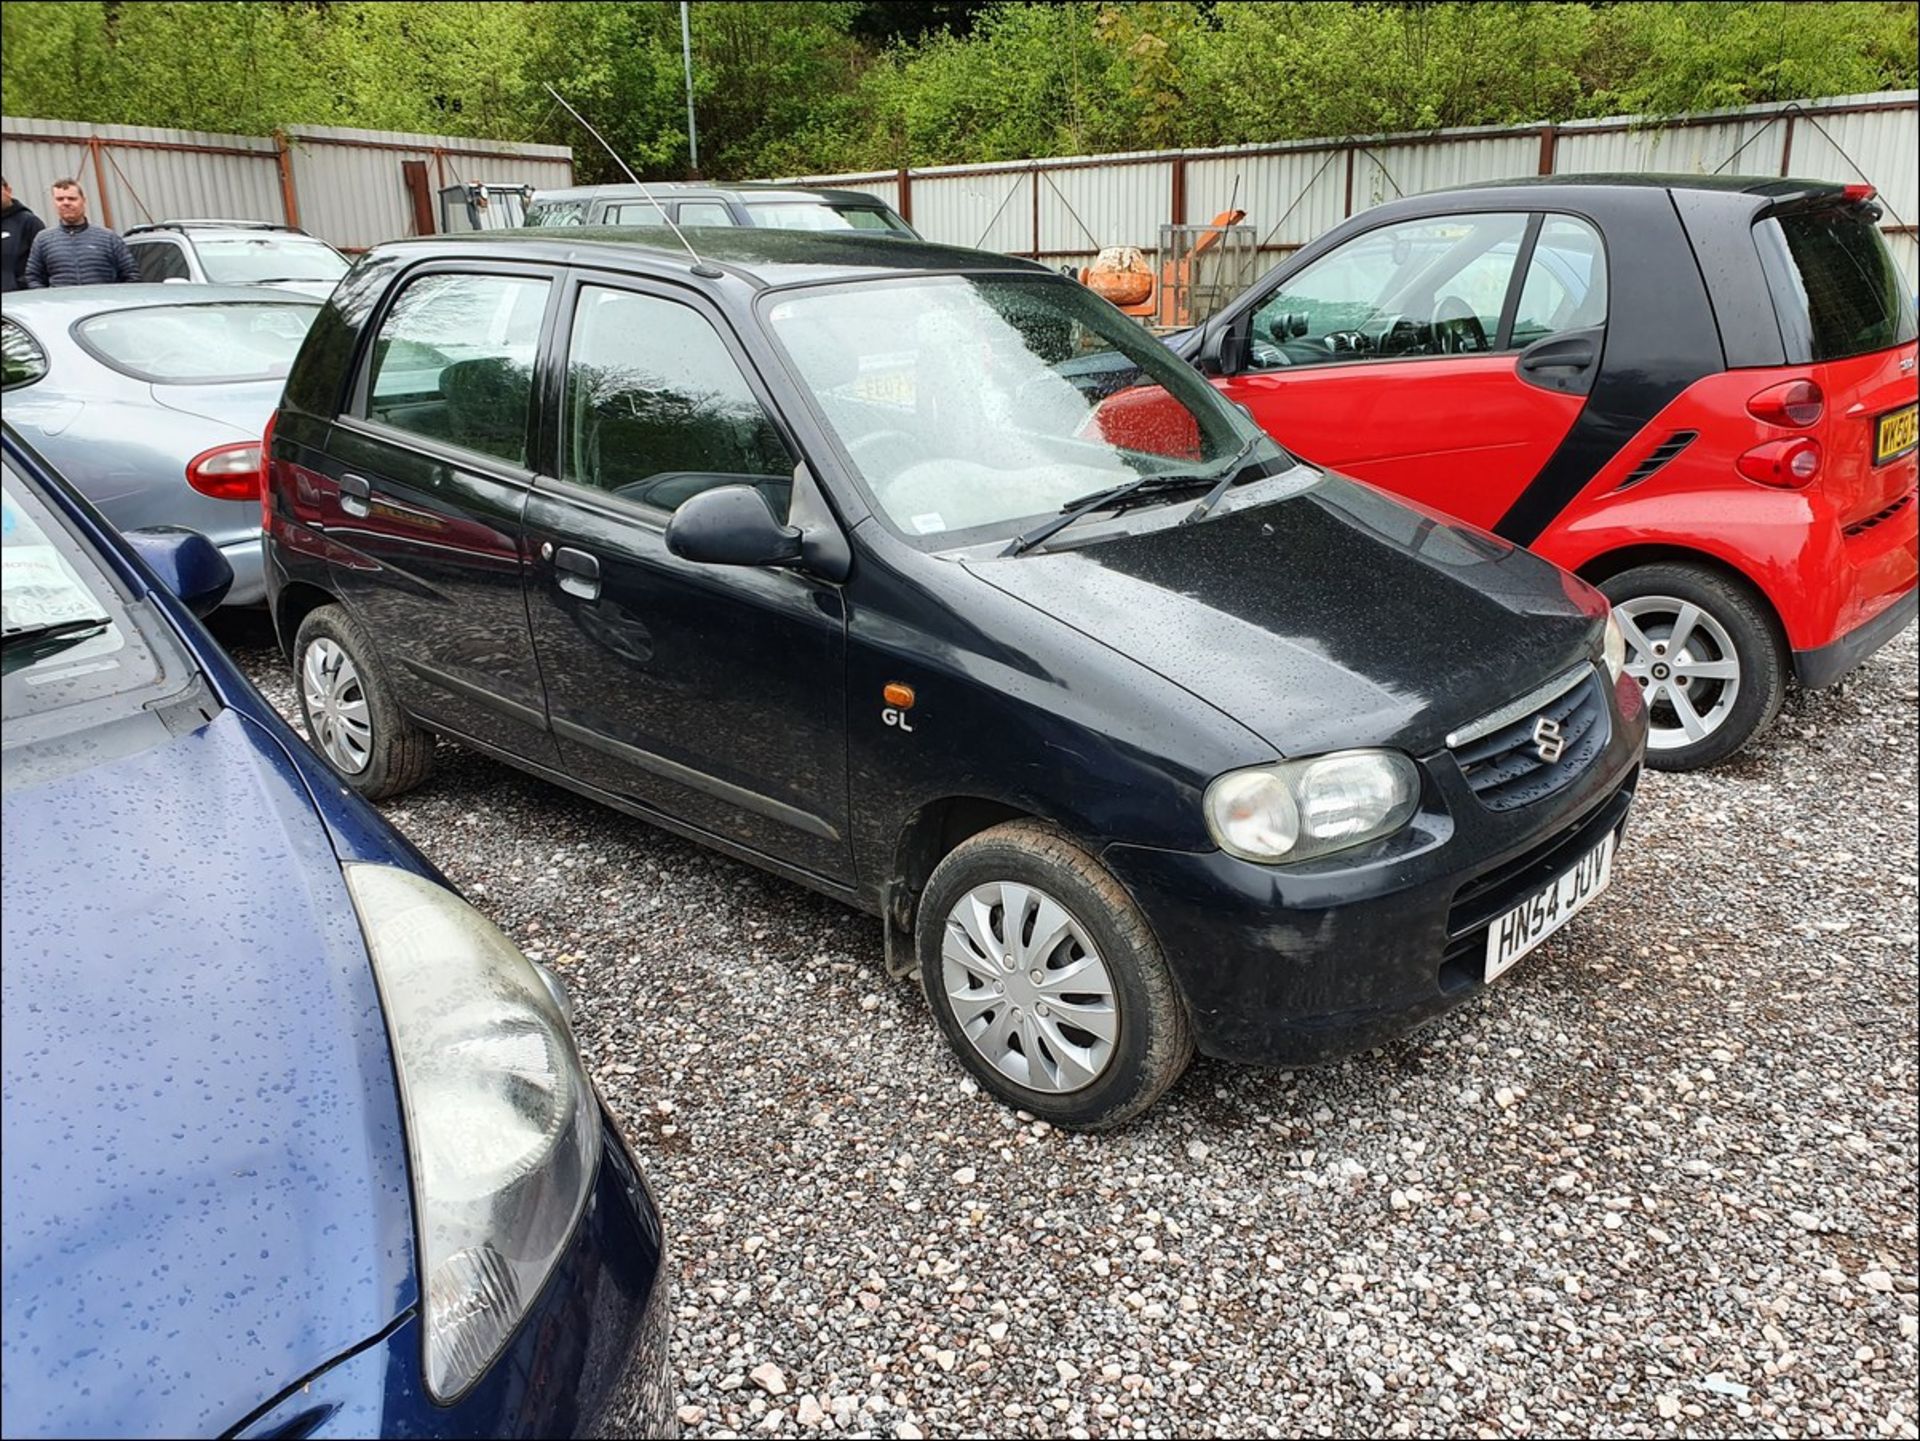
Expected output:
(925, 578)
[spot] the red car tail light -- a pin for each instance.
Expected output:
(266, 473)
(1857, 191)
(1787, 464)
(227, 472)
(1792, 402)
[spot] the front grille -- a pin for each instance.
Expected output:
(1492, 893)
(1506, 768)
(1665, 451)
(1880, 517)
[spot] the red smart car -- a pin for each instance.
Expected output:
(1696, 392)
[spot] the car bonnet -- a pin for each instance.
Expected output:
(1337, 617)
(206, 1189)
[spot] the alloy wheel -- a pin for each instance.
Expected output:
(336, 705)
(1686, 663)
(1028, 988)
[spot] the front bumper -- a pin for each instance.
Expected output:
(589, 1358)
(1302, 965)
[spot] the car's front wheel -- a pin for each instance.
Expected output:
(1703, 651)
(1047, 980)
(352, 717)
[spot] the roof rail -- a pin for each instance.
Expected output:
(213, 225)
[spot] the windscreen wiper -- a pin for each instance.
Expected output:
(1236, 468)
(28, 634)
(1123, 495)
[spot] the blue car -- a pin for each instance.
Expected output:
(297, 1143)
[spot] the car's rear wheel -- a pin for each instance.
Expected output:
(352, 717)
(1047, 980)
(1706, 657)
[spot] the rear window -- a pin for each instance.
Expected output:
(817, 215)
(199, 344)
(1836, 289)
(557, 213)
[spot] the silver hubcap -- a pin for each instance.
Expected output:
(1028, 988)
(336, 706)
(1685, 662)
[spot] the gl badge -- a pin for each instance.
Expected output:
(1548, 742)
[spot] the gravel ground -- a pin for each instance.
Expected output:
(1660, 1180)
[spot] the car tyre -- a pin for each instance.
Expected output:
(1699, 713)
(1085, 954)
(352, 717)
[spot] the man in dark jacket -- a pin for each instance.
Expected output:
(75, 252)
(18, 226)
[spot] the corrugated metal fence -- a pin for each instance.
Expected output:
(349, 187)
(1062, 210)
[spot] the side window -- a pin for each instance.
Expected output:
(656, 409)
(1423, 287)
(632, 212)
(24, 360)
(705, 212)
(1566, 284)
(454, 361)
(159, 260)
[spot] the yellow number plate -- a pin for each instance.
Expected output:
(1896, 434)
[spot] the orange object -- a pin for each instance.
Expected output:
(1120, 274)
(898, 695)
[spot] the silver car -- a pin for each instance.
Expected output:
(152, 400)
(236, 252)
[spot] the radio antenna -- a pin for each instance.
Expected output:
(700, 267)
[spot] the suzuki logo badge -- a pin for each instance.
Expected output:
(1548, 743)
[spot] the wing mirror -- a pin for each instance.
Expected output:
(731, 525)
(186, 563)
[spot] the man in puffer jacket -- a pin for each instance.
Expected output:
(76, 252)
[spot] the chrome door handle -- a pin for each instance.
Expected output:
(577, 572)
(356, 496)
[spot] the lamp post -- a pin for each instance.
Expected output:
(686, 56)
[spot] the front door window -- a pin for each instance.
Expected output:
(1420, 288)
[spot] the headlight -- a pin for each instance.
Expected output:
(502, 1124)
(1299, 809)
(1613, 649)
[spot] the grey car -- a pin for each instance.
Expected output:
(152, 400)
(236, 252)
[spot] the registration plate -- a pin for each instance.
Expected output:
(1896, 433)
(1512, 935)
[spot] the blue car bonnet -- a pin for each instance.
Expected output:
(206, 1180)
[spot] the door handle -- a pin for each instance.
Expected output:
(577, 572)
(1565, 363)
(356, 495)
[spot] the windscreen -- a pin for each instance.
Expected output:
(968, 404)
(200, 344)
(259, 259)
(67, 636)
(820, 215)
(1836, 289)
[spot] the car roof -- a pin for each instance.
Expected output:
(763, 257)
(685, 190)
(266, 227)
(74, 301)
(1769, 186)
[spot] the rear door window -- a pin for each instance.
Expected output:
(1836, 289)
(705, 212)
(159, 260)
(453, 361)
(633, 212)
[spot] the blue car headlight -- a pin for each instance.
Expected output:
(502, 1123)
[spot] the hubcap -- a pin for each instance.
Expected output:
(336, 706)
(1029, 990)
(1684, 660)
